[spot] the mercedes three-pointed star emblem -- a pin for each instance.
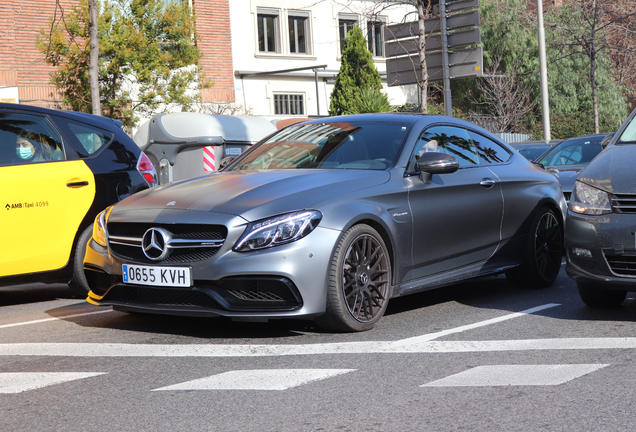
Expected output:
(155, 244)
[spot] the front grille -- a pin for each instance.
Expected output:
(623, 203)
(185, 255)
(624, 264)
(161, 297)
(185, 231)
(133, 232)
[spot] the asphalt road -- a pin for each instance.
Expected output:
(480, 356)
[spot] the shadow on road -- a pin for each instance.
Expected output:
(33, 293)
(487, 293)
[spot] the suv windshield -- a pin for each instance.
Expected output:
(356, 145)
(629, 135)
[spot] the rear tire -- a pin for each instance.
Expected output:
(596, 297)
(359, 282)
(544, 251)
(78, 283)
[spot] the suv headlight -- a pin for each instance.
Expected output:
(278, 230)
(589, 200)
(99, 228)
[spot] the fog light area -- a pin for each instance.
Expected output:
(583, 253)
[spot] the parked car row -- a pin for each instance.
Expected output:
(325, 220)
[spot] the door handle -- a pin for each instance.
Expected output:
(77, 184)
(487, 183)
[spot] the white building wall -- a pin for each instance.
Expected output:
(257, 92)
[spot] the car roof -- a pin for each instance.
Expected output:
(82, 117)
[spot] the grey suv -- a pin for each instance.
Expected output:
(601, 221)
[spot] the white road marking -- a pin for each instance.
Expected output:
(201, 350)
(268, 379)
(53, 319)
(17, 382)
(516, 375)
(431, 336)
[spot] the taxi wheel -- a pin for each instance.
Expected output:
(78, 283)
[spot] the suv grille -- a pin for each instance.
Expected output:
(624, 264)
(125, 241)
(623, 203)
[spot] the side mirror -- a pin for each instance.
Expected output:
(438, 163)
(225, 162)
(606, 140)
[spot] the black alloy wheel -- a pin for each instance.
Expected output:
(548, 246)
(542, 261)
(359, 282)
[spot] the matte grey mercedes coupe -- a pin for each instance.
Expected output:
(328, 220)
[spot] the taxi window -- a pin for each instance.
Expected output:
(92, 139)
(450, 140)
(26, 139)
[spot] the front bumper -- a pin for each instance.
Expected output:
(284, 281)
(611, 241)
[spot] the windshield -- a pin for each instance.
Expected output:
(629, 135)
(356, 145)
(573, 152)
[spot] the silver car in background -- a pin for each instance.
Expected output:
(328, 220)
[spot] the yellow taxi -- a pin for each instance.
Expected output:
(58, 170)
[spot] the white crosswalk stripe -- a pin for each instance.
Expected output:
(516, 375)
(17, 382)
(267, 379)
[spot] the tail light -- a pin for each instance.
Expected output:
(147, 170)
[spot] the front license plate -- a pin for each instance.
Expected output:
(157, 276)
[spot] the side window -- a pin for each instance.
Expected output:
(92, 139)
(489, 151)
(451, 140)
(26, 139)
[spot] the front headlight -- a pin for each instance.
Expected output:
(99, 228)
(278, 230)
(588, 200)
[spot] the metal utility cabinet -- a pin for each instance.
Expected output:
(186, 145)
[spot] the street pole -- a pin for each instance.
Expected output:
(448, 103)
(545, 106)
(317, 94)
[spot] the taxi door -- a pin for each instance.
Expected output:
(43, 198)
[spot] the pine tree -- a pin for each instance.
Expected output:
(357, 72)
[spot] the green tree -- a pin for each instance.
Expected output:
(582, 71)
(371, 100)
(357, 72)
(147, 60)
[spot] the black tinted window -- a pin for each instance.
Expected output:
(489, 151)
(450, 140)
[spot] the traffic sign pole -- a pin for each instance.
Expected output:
(448, 104)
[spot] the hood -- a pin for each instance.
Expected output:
(612, 170)
(255, 194)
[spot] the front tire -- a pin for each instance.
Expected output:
(544, 251)
(595, 297)
(359, 282)
(78, 283)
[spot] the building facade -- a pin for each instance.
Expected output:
(275, 58)
(287, 52)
